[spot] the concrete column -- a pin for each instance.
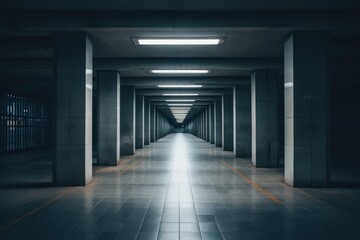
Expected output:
(212, 124)
(108, 143)
(242, 121)
(265, 118)
(152, 123)
(227, 120)
(207, 124)
(156, 124)
(306, 109)
(159, 124)
(139, 123)
(127, 123)
(218, 122)
(199, 125)
(146, 122)
(73, 109)
(203, 125)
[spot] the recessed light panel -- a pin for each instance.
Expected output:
(180, 100)
(180, 104)
(179, 86)
(180, 94)
(178, 41)
(180, 71)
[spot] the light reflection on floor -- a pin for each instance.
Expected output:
(178, 188)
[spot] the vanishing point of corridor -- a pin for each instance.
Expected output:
(178, 188)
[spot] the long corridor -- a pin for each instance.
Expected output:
(178, 188)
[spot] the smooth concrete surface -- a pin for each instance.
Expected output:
(146, 122)
(108, 142)
(306, 109)
(212, 123)
(139, 122)
(127, 123)
(156, 124)
(218, 122)
(207, 135)
(242, 121)
(265, 118)
(152, 123)
(178, 188)
(227, 122)
(73, 114)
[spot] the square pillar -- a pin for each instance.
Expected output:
(127, 123)
(242, 121)
(139, 122)
(146, 122)
(218, 122)
(152, 123)
(306, 109)
(73, 109)
(208, 123)
(206, 112)
(108, 143)
(265, 118)
(227, 123)
(212, 123)
(156, 125)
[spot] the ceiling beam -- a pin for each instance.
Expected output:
(196, 98)
(188, 63)
(154, 81)
(50, 21)
(201, 92)
(43, 64)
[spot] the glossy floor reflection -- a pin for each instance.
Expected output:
(178, 188)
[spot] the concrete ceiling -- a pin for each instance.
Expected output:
(118, 43)
(178, 4)
(254, 32)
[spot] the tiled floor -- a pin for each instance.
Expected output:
(178, 188)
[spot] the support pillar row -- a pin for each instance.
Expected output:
(73, 109)
(227, 123)
(306, 109)
(265, 118)
(108, 142)
(127, 123)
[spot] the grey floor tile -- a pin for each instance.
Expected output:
(179, 188)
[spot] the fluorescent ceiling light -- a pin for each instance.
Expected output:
(178, 41)
(180, 94)
(180, 100)
(288, 85)
(182, 71)
(180, 104)
(179, 113)
(180, 86)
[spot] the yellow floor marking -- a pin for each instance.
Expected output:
(254, 184)
(129, 168)
(54, 199)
